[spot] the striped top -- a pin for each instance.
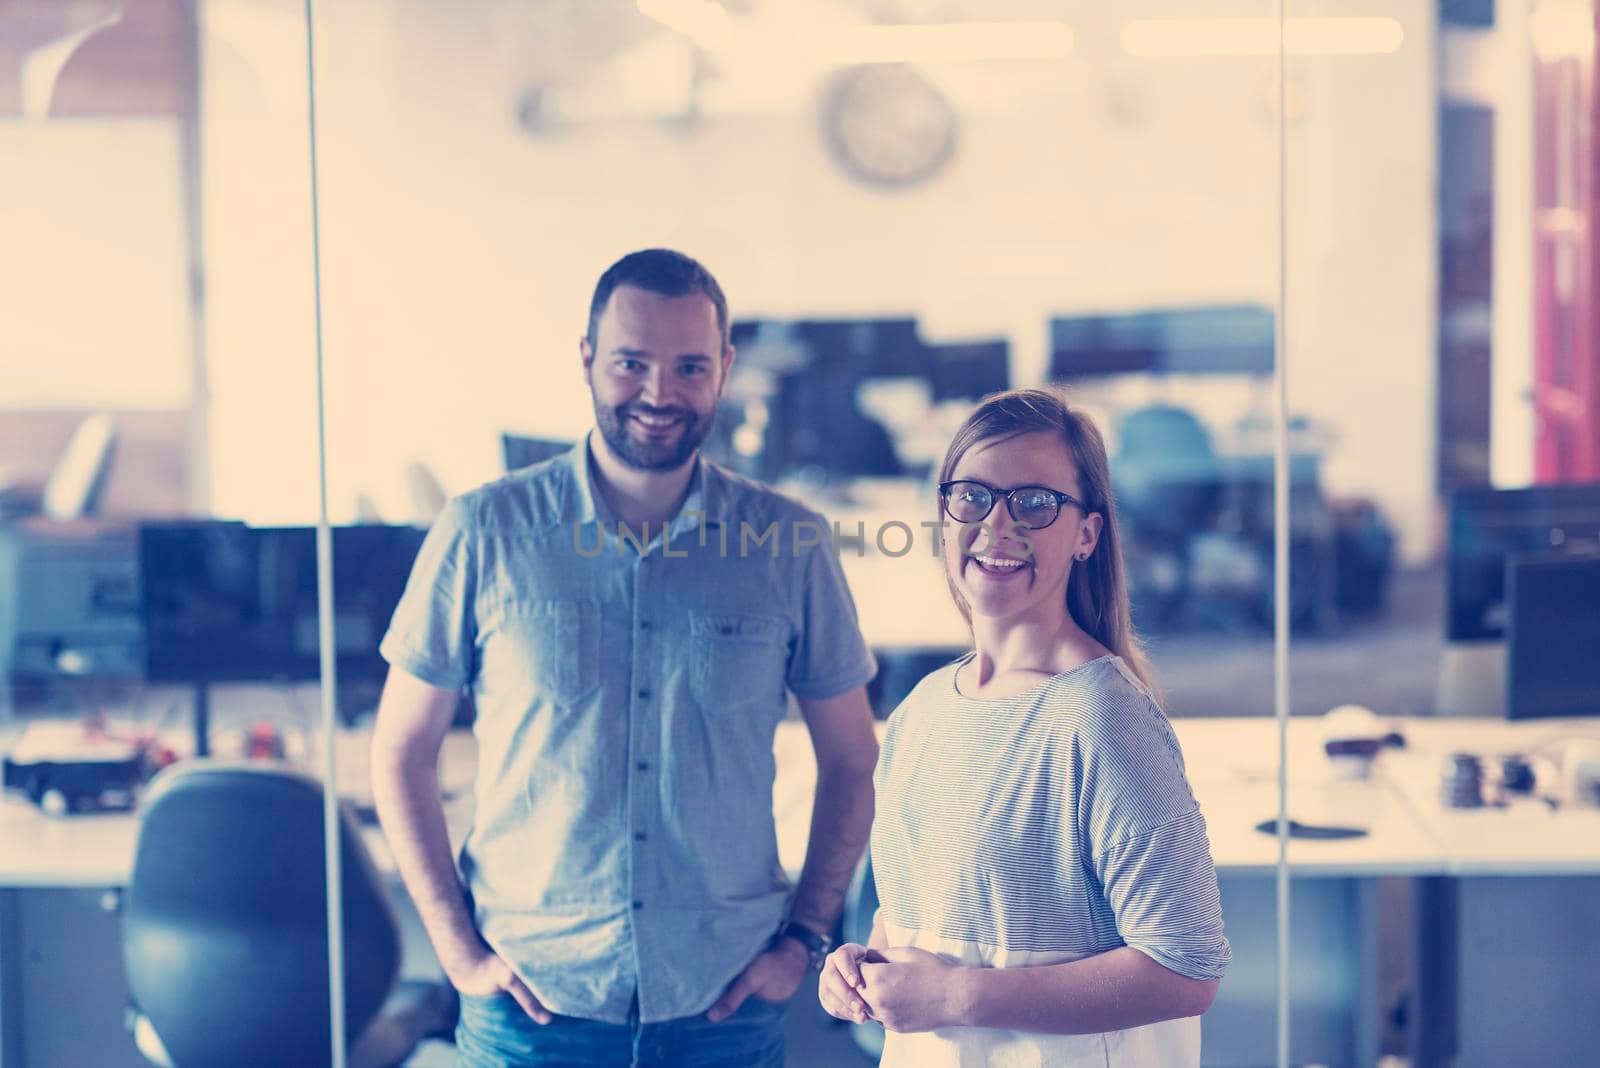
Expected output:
(1039, 828)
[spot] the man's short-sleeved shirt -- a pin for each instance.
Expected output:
(627, 691)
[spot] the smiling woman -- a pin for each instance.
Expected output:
(1043, 868)
(1060, 507)
(1022, 565)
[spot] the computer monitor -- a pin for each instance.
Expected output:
(1227, 339)
(519, 451)
(1488, 526)
(371, 564)
(223, 602)
(814, 423)
(968, 371)
(743, 331)
(199, 600)
(1553, 643)
(864, 348)
(69, 604)
(868, 348)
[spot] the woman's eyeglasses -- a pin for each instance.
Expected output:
(1035, 507)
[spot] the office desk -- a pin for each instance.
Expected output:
(1509, 928)
(1528, 838)
(95, 851)
(1522, 890)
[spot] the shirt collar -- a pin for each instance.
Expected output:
(585, 496)
(708, 491)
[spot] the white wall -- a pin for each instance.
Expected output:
(94, 301)
(459, 252)
(256, 206)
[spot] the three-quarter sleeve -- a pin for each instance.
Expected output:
(1162, 887)
(1147, 840)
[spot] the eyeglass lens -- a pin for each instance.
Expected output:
(969, 502)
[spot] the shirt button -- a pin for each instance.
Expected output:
(638, 905)
(638, 836)
(642, 766)
(644, 624)
(644, 695)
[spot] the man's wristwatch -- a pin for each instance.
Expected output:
(817, 946)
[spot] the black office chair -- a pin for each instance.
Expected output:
(225, 931)
(1169, 486)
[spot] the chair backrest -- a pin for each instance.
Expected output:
(225, 927)
(1167, 475)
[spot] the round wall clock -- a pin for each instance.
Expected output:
(888, 125)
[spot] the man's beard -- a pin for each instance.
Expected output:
(643, 455)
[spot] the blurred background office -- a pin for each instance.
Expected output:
(911, 204)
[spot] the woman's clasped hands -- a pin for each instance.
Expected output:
(903, 988)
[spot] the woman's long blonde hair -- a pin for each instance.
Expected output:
(1097, 591)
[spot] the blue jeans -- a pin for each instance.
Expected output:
(494, 1032)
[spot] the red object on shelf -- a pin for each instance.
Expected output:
(264, 742)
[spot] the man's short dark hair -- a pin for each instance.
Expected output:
(661, 271)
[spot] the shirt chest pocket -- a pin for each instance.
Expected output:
(555, 647)
(739, 661)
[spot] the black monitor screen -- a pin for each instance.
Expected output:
(868, 348)
(1488, 526)
(1206, 340)
(225, 602)
(855, 348)
(968, 371)
(1551, 664)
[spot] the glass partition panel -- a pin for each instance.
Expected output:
(157, 394)
(160, 371)
(1361, 221)
(1442, 377)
